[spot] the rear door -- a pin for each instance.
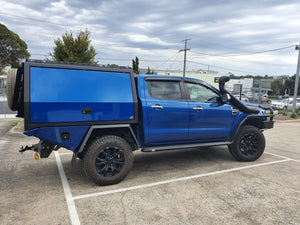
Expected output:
(209, 119)
(167, 111)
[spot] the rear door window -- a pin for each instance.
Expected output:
(167, 90)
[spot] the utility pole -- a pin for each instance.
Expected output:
(297, 79)
(185, 49)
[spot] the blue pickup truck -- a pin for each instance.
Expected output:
(103, 114)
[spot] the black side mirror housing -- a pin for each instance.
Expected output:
(225, 98)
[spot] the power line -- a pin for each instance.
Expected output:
(244, 54)
(173, 61)
(164, 61)
(169, 59)
(239, 60)
(223, 46)
(271, 50)
(230, 69)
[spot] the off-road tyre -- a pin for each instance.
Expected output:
(108, 160)
(10, 88)
(81, 155)
(248, 145)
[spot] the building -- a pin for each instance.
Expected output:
(205, 75)
(246, 85)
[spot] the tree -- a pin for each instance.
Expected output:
(135, 65)
(12, 48)
(113, 65)
(149, 71)
(277, 87)
(78, 49)
(290, 84)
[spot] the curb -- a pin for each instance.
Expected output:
(19, 128)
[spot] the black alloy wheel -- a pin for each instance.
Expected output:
(249, 144)
(108, 160)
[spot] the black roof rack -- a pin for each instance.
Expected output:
(76, 63)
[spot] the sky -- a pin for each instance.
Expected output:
(226, 35)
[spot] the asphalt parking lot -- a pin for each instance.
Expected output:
(192, 186)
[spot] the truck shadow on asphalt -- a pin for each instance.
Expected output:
(156, 166)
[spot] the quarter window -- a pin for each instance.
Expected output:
(168, 90)
(199, 92)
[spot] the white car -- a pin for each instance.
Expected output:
(255, 96)
(243, 98)
(263, 97)
(286, 104)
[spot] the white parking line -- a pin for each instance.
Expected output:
(68, 195)
(295, 160)
(176, 180)
(66, 153)
(281, 156)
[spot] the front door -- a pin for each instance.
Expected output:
(209, 119)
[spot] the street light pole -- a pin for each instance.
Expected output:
(297, 79)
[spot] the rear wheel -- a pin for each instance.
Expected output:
(108, 160)
(249, 144)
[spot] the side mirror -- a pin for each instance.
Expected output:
(225, 98)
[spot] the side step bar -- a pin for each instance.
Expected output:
(174, 147)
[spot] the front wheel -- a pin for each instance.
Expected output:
(249, 144)
(108, 160)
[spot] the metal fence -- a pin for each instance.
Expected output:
(5, 112)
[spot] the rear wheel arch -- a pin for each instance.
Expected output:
(96, 132)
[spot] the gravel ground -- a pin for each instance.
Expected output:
(282, 117)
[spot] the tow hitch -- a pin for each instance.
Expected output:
(31, 148)
(43, 149)
(27, 148)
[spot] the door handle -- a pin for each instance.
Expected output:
(156, 106)
(198, 108)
